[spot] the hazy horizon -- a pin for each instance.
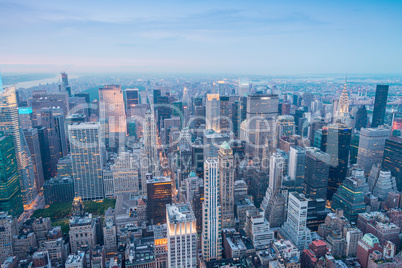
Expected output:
(224, 37)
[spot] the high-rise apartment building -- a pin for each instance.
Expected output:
(295, 227)
(159, 194)
(87, 160)
(9, 124)
(211, 237)
(335, 141)
(316, 173)
(226, 184)
(371, 147)
(181, 236)
(380, 103)
(10, 191)
(112, 113)
(212, 112)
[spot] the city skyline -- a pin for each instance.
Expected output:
(201, 37)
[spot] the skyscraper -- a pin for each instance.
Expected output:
(64, 87)
(286, 126)
(212, 112)
(335, 141)
(295, 227)
(343, 105)
(260, 128)
(274, 201)
(149, 153)
(87, 160)
(112, 112)
(46, 119)
(380, 103)
(371, 147)
(226, 184)
(361, 118)
(32, 138)
(132, 98)
(44, 151)
(9, 123)
(10, 191)
(181, 236)
(211, 237)
(297, 166)
(159, 194)
(317, 173)
(350, 197)
(125, 174)
(393, 158)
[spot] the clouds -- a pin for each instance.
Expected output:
(241, 37)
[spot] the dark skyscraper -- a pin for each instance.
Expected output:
(47, 120)
(159, 194)
(361, 118)
(316, 174)
(132, 98)
(393, 159)
(44, 151)
(10, 191)
(32, 137)
(335, 141)
(381, 95)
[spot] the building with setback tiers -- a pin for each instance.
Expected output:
(350, 197)
(181, 236)
(295, 227)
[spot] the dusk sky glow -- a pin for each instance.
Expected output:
(240, 37)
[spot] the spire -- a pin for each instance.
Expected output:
(343, 106)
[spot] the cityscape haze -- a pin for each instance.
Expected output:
(200, 134)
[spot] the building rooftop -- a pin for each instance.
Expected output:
(159, 180)
(75, 258)
(181, 212)
(79, 221)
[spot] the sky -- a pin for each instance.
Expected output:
(238, 37)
